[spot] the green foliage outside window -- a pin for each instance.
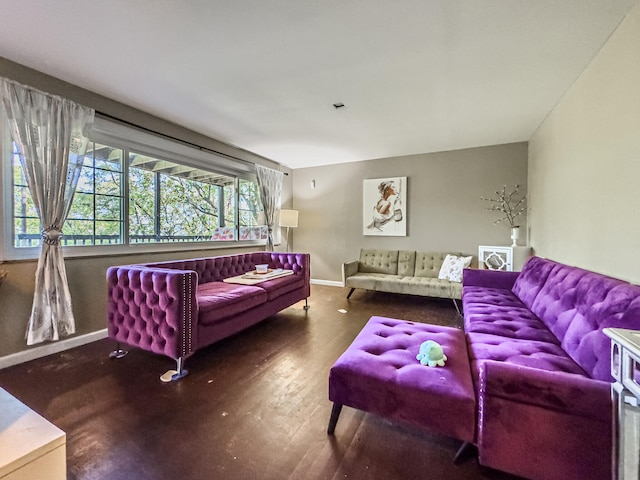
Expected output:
(167, 202)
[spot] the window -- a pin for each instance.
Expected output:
(95, 216)
(26, 225)
(170, 202)
(136, 188)
(250, 212)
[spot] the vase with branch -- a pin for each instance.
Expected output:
(509, 205)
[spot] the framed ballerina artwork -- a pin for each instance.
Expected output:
(384, 206)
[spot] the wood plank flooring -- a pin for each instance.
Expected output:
(253, 406)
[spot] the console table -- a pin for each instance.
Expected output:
(30, 446)
(510, 259)
(625, 393)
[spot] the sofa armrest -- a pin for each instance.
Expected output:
(489, 278)
(349, 268)
(153, 308)
(563, 392)
(300, 263)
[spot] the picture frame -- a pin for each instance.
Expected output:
(384, 207)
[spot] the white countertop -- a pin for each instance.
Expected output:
(24, 435)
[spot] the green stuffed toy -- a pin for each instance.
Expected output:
(431, 354)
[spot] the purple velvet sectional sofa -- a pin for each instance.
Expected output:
(541, 366)
(175, 308)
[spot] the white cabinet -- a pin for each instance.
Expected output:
(510, 259)
(31, 448)
(625, 393)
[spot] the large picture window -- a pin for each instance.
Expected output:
(126, 195)
(169, 202)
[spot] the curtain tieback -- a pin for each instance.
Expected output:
(51, 235)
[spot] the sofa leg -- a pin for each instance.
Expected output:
(463, 453)
(455, 304)
(181, 371)
(306, 304)
(177, 374)
(350, 292)
(335, 413)
(118, 352)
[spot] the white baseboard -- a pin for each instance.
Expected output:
(62, 345)
(329, 283)
(51, 348)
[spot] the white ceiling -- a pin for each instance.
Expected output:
(415, 76)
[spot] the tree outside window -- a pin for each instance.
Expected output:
(167, 202)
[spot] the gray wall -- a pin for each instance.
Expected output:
(88, 292)
(444, 209)
(87, 275)
(584, 164)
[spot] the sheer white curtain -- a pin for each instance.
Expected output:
(270, 183)
(51, 135)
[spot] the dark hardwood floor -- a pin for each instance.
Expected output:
(253, 406)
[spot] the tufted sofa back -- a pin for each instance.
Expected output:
(576, 304)
(406, 262)
(401, 262)
(531, 279)
(378, 261)
(215, 269)
(428, 264)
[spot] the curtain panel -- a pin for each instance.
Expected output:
(270, 183)
(51, 134)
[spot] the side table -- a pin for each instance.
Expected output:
(510, 259)
(30, 446)
(625, 394)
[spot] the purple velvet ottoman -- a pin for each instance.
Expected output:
(379, 374)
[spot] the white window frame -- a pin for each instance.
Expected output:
(128, 138)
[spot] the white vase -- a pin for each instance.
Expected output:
(515, 235)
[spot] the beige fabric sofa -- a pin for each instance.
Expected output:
(400, 271)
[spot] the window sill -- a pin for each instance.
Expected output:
(32, 254)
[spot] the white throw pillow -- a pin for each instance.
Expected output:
(452, 268)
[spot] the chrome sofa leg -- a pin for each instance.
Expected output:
(455, 304)
(180, 370)
(335, 413)
(350, 292)
(177, 374)
(118, 352)
(463, 453)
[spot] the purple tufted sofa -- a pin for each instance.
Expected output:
(175, 308)
(541, 366)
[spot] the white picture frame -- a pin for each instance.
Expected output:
(384, 207)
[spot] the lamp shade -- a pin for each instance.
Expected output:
(289, 218)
